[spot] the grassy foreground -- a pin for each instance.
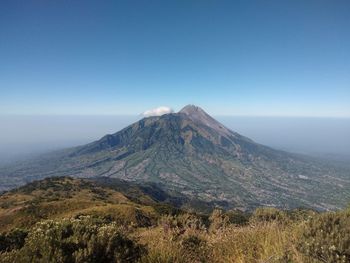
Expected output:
(112, 228)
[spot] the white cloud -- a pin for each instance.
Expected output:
(157, 111)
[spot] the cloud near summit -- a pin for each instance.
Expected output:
(158, 111)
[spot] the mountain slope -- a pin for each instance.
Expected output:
(191, 153)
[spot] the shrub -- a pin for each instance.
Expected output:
(178, 239)
(178, 225)
(298, 215)
(166, 209)
(326, 237)
(237, 217)
(84, 239)
(12, 240)
(195, 248)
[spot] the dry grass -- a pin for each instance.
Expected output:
(261, 243)
(266, 242)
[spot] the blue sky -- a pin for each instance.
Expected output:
(285, 58)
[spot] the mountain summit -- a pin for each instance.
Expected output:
(198, 115)
(194, 111)
(191, 153)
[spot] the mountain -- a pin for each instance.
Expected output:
(194, 155)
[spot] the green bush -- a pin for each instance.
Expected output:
(238, 217)
(326, 237)
(166, 209)
(12, 240)
(84, 239)
(195, 248)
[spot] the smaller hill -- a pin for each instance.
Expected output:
(64, 197)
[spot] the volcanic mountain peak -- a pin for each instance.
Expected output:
(198, 115)
(192, 109)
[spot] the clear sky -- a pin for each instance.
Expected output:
(286, 58)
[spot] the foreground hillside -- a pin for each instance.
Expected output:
(75, 220)
(61, 197)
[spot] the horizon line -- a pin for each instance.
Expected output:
(141, 116)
